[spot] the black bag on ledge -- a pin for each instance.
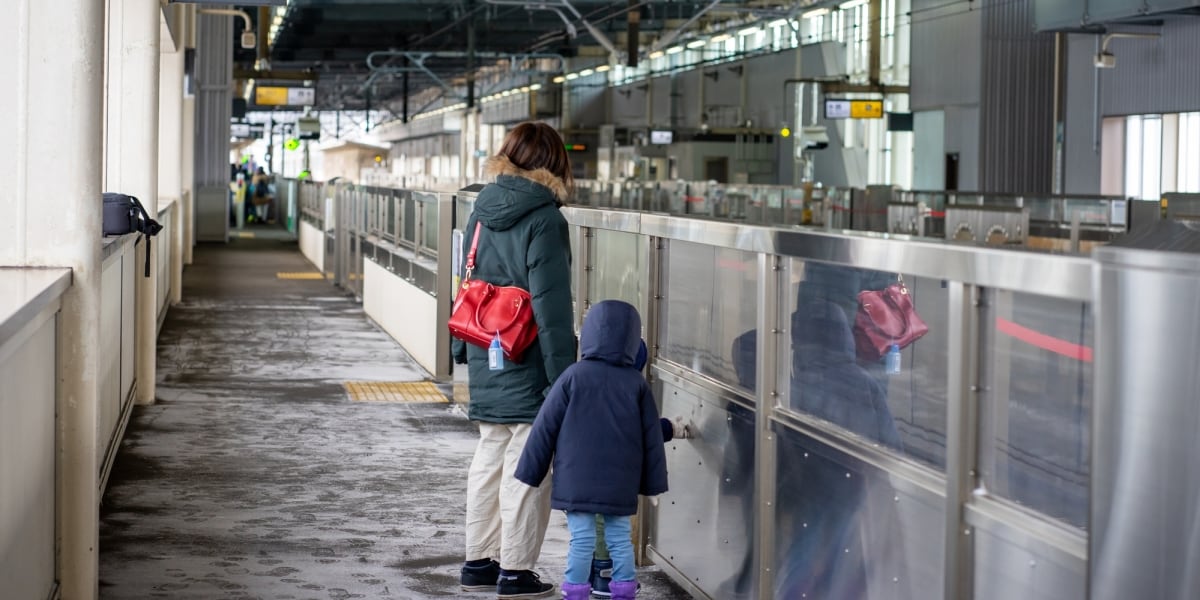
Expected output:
(124, 214)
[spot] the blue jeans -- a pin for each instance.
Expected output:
(583, 543)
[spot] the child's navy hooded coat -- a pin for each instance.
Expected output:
(599, 425)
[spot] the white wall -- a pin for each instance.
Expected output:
(405, 312)
(312, 245)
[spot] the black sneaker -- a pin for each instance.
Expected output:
(480, 579)
(522, 584)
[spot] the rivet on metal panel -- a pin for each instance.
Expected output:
(846, 551)
(967, 531)
(771, 438)
(805, 455)
(895, 580)
(975, 389)
(895, 498)
(804, 525)
(847, 476)
(768, 503)
(1033, 564)
(728, 480)
(775, 331)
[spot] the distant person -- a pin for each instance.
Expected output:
(600, 429)
(523, 242)
(262, 195)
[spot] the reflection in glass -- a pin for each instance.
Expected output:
(1037, 403)
(834, 377)
(846, 533)
(711, 300)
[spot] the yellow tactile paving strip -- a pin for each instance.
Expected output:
(245, 235)
(301, 276)
(406, 392)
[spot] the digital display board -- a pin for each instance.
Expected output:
(662, 137)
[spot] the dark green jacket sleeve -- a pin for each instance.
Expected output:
(549, 263)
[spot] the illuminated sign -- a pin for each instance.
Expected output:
(853, 109)
(576, 147)
(662, 137)
(284, 96)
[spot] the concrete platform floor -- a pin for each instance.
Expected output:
(254, 475)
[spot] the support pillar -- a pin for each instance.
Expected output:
(170, 151)
(56, 88)
(131, 151)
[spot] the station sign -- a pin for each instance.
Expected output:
(661, 137)
(247, 130)
(853, 109)
(309, 128)
(285, 96)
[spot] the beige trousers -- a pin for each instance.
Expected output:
(506, 519)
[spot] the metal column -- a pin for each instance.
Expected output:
(214, 97)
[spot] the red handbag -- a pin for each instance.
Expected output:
(481, 310)
(886, 318)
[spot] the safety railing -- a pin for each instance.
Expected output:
(955, 466)
(819, 471)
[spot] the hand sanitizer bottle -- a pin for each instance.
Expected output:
(893, 360)
(496, 354)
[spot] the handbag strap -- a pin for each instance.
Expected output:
(474, 249)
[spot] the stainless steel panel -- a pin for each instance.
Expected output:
(1013, 560)
(27, 459)
(711, 305)
(1036, 403)
(904, 412)
(846, 529)
(994, 226)
(1144, 512)
(704, 524)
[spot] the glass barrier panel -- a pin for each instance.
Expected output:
(1037, 402)
(618, 265)
(844, 371)
(430, 204)
(711, 310)
(846, 529)
(409, 224)
(1011, 566)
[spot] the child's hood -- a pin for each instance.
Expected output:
(611, 333)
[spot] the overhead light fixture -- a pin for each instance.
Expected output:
(656, 54)
(778, 23)
(721, 39)
(535, 87)
(278, 19)
(674, 49)
(697, 44)
(572, 76)
(587, 72)
(525, 90)
(749, 31)
(851, 4)
(816, 12)
(559, 79)
(603, 69)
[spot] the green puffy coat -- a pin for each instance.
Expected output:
(524, 243)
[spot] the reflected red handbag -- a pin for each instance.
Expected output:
(481, 310)
(885, 318)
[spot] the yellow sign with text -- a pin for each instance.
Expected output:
(271, 96)
(866, 109)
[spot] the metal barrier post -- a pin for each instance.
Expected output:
(767, 376)
(445, 285)
(962, 437)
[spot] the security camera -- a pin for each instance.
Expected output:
(813, 137)
(1105, 60)
(249, 40)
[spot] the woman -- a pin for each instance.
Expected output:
(525, 243)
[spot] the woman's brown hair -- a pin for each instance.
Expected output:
(532, 146)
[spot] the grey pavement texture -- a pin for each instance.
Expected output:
(255, 476)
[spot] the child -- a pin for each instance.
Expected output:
(600, 428)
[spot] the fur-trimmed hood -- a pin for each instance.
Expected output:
(501, 165)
